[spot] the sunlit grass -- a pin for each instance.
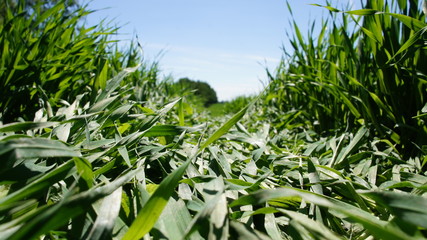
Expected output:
(101, 148)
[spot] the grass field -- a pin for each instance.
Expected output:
(95, 145)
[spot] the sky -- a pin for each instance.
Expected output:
(227, 43)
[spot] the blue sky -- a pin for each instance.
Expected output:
(226, 43)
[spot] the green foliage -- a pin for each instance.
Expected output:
(217, 109)
(44, 5)
(237, 103)
(118, 156)
(47, 57)
(201, 89)
(366, 67)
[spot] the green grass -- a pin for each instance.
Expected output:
(107, 150)
(217, 109)
(365, 68)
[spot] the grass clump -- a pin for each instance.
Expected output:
(115, 154)
(364, 69)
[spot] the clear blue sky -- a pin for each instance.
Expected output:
(226, 43)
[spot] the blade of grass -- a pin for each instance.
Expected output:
(152, 210)
(52, 217)
(378, 228)
(107, 214)
(24, 126)
(410, 208)
(224, 128)
(316, 228)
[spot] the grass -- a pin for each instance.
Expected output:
(217, 109)
(364, 68)
(107, 150)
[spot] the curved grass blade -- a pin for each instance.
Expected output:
(417, 36)
(26, 148)
(102, 104)
(271, 226)
(108, 212)
(318, 230)
(152, 210)
(352, 146)
(363, 12)
(224, 128)
(213, 213)
(164, 130)
(114, 83)
(241, 231)
(41, 184)
(174, 219)
(24, 126)
(378, 228)
(410, 208)
(52, 217)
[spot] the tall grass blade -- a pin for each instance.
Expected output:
(410, 42)
(152, 210)
(107, 215)
(225, 128)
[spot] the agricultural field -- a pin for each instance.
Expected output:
(94, 145)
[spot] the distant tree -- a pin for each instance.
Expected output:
(202, 89)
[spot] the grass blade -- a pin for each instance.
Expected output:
(378, 228)
(107, 214)
(152, 210)
(224, 128)
(316, 228)
(410, 208)
(24, 126)
(53, 217)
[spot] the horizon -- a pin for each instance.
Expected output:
(228, 45)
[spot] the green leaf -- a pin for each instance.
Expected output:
(327, 7)
(164, 130)
(342, 157)
(410, 208)
(26, 148)
(151, 211)
(240, 231)
(402, 4)
(125, 155)
(84, 168)
(114, 83)
(379, 228)
(174, 219)
(417, 36)
(181, 113)
(107, 215)
(363, 12)
(54, 216)
(224, 128)
(271, 226)
(39, 185)
(101, 80)
(101, 105)
(384, 106)
(213, 213)
(410, 22)
(24, 126)
(316, 228)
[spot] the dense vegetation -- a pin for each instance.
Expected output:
(205, 94)
(95, 146)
